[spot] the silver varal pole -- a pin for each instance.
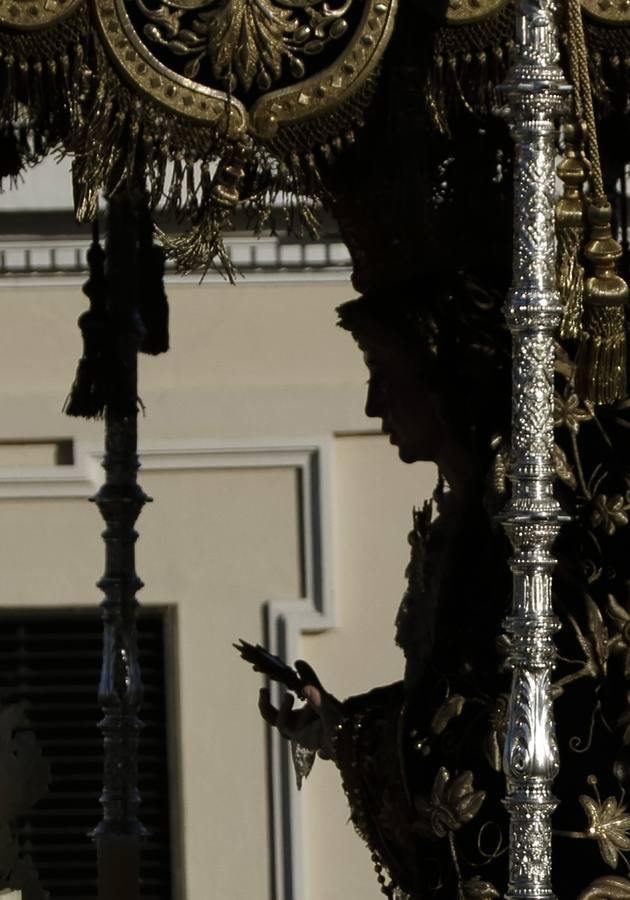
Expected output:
(535, 92)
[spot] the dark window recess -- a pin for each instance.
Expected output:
(51, 663)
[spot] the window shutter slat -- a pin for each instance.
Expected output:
(51, 662)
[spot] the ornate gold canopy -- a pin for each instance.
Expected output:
(204, 95)
(246, 66)
(221, 102)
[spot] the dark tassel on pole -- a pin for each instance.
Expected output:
(152, 299)
(122, 275)
(88, 395)
(11, 159)
(102, 380)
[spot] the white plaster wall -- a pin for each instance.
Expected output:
(258, 364)
(374, 497)
(256, 359)
(48, 185)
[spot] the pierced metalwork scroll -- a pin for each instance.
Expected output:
(535, 92)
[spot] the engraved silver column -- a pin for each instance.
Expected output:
(535, 92)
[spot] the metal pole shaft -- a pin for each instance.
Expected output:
(535, 92)
(119, 834)
(120, 501)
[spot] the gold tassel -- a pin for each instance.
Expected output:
(570, 231)
(601, 358)
(202, 244)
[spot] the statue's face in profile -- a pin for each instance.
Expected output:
(396, 395)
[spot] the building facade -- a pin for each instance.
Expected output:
(279, 512)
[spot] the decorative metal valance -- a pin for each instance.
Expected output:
(254, 68)
(233, 103)
(218, 102)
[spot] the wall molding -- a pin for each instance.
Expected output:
(286, 620)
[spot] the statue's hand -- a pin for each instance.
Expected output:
(312, 725)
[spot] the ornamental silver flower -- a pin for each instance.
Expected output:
(454, 801)
(609, 513)
(568, 413)
(609, 825)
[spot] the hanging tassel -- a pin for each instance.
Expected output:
(570, 232)
(202, 244)
(157, 179)
(600, 375)
(192, 203)
(11, 161)
(88, 394)
(601, 358)
(122, 274)
(226, 187)
(152, 300)
(173, 200)
(80, 87)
